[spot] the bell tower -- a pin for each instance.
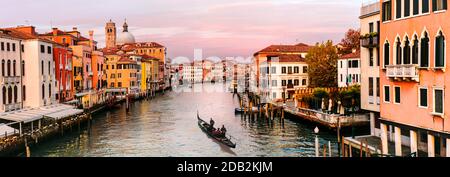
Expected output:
(110, 34)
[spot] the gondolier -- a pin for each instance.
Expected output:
(217, 134)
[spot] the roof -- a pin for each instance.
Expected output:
(356, 54)
(126, 60)
(16, 33)
(291, 58)
(301, 47)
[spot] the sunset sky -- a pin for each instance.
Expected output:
(223, 28)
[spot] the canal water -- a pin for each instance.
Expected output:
(167, 127)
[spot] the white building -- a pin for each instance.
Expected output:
(192, 73)
(10, 55)
(370, 63)
(349, 71)
(37, 68)
(283, 74)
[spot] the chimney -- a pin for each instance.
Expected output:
(55, 31)
(91, 38)
(27, 29)
(74, 29)
(353, 50)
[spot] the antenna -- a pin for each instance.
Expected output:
(27, 22)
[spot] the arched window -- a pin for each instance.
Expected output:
(42, 67)
(440, 51)
(14, 67)
(425, 51)
(24, 91)
(49, 90)
(3, 67)
(415, 50)
(9, 95)
(386, 53)
(4, 95)
(406, 52)
(8, 66)
(49, 67)
(43, 91)
(398, 50)
(15, 94)
(23, 68)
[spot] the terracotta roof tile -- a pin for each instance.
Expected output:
(301, 47)
(290, 58)
(356, 54)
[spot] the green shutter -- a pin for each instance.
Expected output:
(434, 5)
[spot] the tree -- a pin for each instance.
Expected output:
(351, 41)
(322, 61)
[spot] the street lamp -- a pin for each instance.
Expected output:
(316, 131)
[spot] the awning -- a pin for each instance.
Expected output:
(64, 113)
(6, 129)
(30, 115)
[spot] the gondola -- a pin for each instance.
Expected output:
(205, 126)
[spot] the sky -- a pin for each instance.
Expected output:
(223, 28)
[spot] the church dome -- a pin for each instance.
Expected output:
(125, 37)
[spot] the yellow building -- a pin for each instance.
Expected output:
(121, 74)
(149, 72)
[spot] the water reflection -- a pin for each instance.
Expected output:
(167, 126)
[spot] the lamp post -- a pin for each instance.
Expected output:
(316, 131)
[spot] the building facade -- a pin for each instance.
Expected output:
(370, 63)
(414, 77)
(349, 71)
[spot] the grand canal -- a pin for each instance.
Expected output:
(167, 127)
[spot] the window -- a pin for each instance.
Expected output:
(13, 47)
(112, 66)
(283, 83)
(22, 48)
(371, 27)
(42, 67)
(274, 70)
(4, 95)
(415, 51)
(274, 83)
(398, 50)
(425, 6)
(371, 86)
(424, 51)
(274, 94)
(397, 94)
(8, 48)
(3, 46)
(438, 107)
(3, 67)
(415, 7)
(42, 49)
(119, 75)
(355, 63)
(296, 82)
(49, 66)
(24, 96)
(119, 84)
(10, 95)
(387, 11)
(439, 5)
(370, 57)
(387, 94)
(406, 52)
(112, 84)
(49, 90)
(296, 69)
(398, 8)
(15, 94)
(440, 51)
(43, 91)
(283, 70)
(305, 69)
(290, 69)
(113, 76)
(341, 78)
(14, 67)
(23, 68)
(406, 8)
(423, 97)
(8, 66)
(386, 54)
(378, 87)
(64, 40)
(340, 63)
(303, 82)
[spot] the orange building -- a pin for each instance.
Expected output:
(414, 77)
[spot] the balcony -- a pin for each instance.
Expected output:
(370, 41)
(12, 107)
(11, 79)
(403, 72)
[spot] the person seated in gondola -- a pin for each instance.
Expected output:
(211, 125)
(223, 130)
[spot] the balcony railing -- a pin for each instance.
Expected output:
(10, 79)
(370, 42)
(403, 72)
(12, 107)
